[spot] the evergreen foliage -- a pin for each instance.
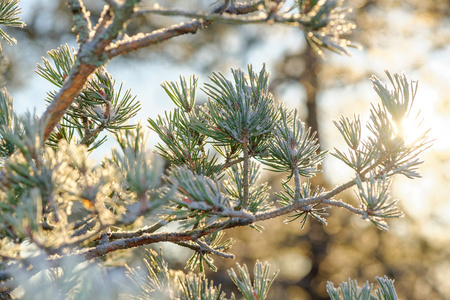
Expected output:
(59, 209)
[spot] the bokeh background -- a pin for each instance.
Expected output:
(410, 36)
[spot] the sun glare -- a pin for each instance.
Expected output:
(411, 129)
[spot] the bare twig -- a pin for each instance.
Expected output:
(245, 176)
(230, 163)
(90, 134)
(203, 247)
(232, 18)
(103, 21)
(140, 231)
(297, 183)
(88, 225)
(207, 248)
(339, 203)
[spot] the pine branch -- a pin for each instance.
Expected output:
(201, 202)
(142, 238)
(349, 290)
(240, 118)
(96, 51)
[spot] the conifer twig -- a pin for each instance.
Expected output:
(340, 203)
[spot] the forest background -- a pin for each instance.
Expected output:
(410, 36)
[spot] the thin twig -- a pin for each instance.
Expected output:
(299, 203)
(80, 223)
(90, 134)
(103, 21)
(297, 183)
(130, 234)
(339, 203)
(206, 247)
(89, 224)
(205, 16)
(203, 247)
(146, 239)
(245, 176)
(230, 163)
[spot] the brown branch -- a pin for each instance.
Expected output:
(229, 163)
(138, 41)
(63, 99)
(88, 225)
(90, 134)
(146, 239)
(140, 231)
